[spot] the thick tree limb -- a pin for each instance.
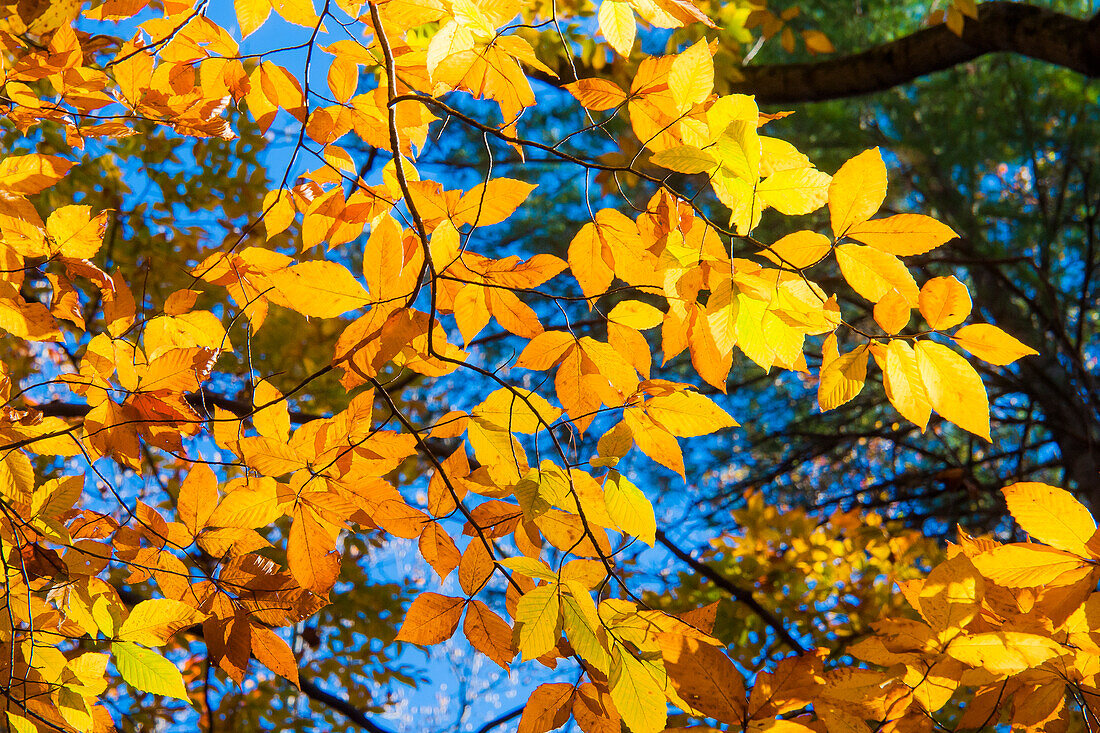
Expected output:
(1010, 27)
(738, 593)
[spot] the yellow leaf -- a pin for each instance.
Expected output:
(944, 303)
(1025, 565)
(517, 411)
(597, 94)
(873, 273)
(991, 344)
(691, 76)
(687, 414)
(1051, 515)
(857, 191)
(343, 78)
(951, 594)
(75, 232)
(253, 504)
(817, 42)
(251, 14)
(685, 159)
(298, 12)
(892, 312)
(638, 697)
(538, 621)
(1004, 652)
(636, 314)
(319, 289)
(153, 622)
(617, 25)
(30, 174)
(904, 384)
(272, 421)
(799, 250)
(795, 191)
(431, 619)
(587, 260)
(954, 388)
(842, 378)
(488, 204)
(629, 508)
(902, 235)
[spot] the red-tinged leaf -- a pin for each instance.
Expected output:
(547, 708)
(431, 619)
(489, 633)
(597, 94)
(475, 568)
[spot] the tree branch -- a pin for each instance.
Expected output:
(738, 593)
(1010, 27)
(339, 704)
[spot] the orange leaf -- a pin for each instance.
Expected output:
(489, 633)
(431, 619)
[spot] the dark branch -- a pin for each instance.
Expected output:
(1009, 27)
(740, 594)
(339, 704)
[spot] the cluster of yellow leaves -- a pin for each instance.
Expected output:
(142, 371)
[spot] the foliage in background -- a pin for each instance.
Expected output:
(205, 455)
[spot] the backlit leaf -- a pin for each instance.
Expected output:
(857, 191)
(1051, 515)
(954, 388)
(431, 619)
(148, 671)
(944, 302)
(991, 344)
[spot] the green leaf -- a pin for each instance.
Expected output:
(629, 509)
(148, 671)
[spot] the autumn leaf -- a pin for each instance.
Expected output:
(1051, 515)
(431, 619)
(991, 344)
(857, 191)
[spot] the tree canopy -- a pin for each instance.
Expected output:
(333, 327)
